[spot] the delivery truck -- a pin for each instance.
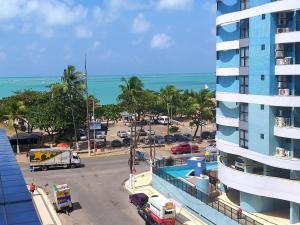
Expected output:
(62, 198)
(45, 158)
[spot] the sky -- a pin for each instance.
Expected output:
(42, 37)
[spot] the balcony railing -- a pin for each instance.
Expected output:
(226, 210)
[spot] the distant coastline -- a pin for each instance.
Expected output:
(106, 87)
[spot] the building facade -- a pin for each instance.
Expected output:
(258, 103)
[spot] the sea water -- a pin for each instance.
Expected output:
(106, 87)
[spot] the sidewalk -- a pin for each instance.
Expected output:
(45, 208)
(142, 183)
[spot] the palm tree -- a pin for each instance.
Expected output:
(202, 109)
(169, 96)
(131, 90)
(73, 86)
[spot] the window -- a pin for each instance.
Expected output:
(218, 5)
(218, 104)
(218, 30)
(262, 107)
(218, 56)
(262, 77)
(243, 138)
(244, 4)
(262, 136)
(244, 57)
(263, 47)
(244, 28)
(244, 112)
(244, 84)
(263, 16)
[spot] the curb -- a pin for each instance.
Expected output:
(49, 206)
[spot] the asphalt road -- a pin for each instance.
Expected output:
(97, 191)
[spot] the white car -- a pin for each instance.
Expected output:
(152, 132)
(122, 134)
(100, 134)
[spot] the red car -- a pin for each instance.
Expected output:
(184, 148)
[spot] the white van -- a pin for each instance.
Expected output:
(163, 120)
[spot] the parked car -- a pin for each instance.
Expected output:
(116, 144)
(169, 138)
(99, 144)
(138, 199)
(208, 135)
(163, 120)
(159, 139)
(100, 134)
(126, 141)
(147, 141)
(122, 134)
(184, 148)
(82, 137)
(239, 163)
(152, 132)
(142, 132)
(180, 138)
(189, 137)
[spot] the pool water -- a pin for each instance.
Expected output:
(212, 165)
(178, 171)
(185, 170)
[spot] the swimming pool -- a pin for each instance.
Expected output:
(185, 170)
(212, 165)
(178, 171)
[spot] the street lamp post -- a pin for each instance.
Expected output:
(87, 108)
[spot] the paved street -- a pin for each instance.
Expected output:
(97, 190)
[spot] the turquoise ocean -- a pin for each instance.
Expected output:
(106, 87)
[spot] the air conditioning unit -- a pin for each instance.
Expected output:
(283, 92)
(279, 47)
(279, 122)
(282, 85)
(279, 54)
(280, 152)
(288, 60)
(287, 153)
(279, 61)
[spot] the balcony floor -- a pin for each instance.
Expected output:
(269, 218)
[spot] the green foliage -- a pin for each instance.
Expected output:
(108, 112)
(170, 161)
(173, 129)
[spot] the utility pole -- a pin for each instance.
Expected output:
(94, 126)
(149, 137)
(87, 108)
(131, 159)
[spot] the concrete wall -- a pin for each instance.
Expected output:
(255, 203)
(198, 208)
(228, 134)
(228, 84)
(228, 109)
(230, 58)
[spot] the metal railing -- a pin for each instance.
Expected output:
(208, 199)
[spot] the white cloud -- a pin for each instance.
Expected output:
(83, 32)
(41, 16)
(2, 55)
(161, 41)
(174, 4)
(140, 24)
(96, 44)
